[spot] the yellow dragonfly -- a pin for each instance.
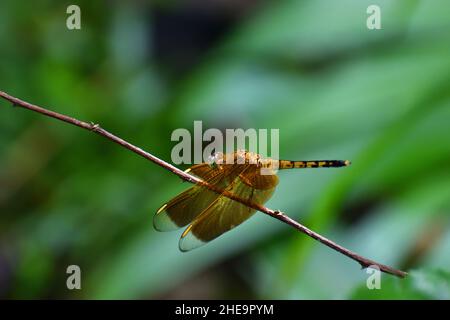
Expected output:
(208, 214)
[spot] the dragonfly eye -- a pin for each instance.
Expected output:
(215, 159)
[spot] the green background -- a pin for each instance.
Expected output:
(312, 69)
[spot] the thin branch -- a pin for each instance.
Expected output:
(364, 262)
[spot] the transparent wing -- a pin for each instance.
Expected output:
(223, 214)
(185, 207)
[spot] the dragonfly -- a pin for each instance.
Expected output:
(208, 214)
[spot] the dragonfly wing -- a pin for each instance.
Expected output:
(182, 209)
(255, 179)
(223, 215)
(185, 207)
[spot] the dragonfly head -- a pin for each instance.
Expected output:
(215, 159)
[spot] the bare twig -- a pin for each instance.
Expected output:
(364, 262)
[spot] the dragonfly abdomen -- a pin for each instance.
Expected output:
(288, 164)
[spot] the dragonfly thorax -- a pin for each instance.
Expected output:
(242, 157)
(236, 157)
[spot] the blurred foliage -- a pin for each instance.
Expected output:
(141, 69)
(429, 284)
